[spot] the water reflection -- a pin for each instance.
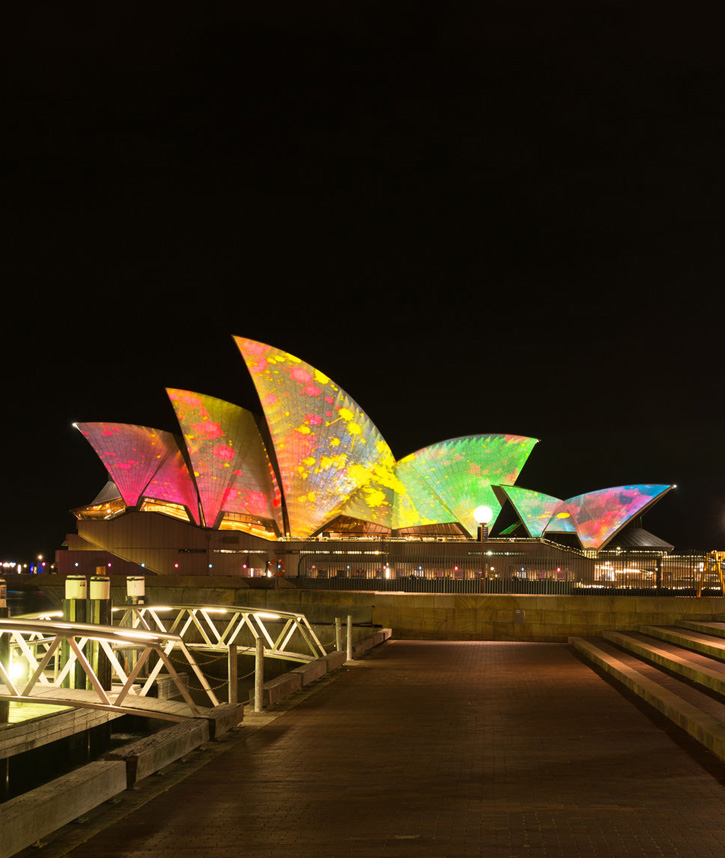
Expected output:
(27, 601)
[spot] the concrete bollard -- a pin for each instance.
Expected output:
(349, 637)
(338, 634)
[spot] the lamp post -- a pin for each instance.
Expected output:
(483, 515)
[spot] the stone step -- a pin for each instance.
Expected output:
(697, 668)
(697, 641)
(714, 628)
(694, 711)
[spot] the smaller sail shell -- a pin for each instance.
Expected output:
(230, 464)
(462, 471)
(599, 515)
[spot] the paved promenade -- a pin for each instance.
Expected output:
(503, 750)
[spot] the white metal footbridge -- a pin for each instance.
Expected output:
(285, 635)
(45, 656)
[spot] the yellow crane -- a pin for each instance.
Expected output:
(713, 565)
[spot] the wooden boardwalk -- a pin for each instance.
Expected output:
(55, 713)
(33, 725)
(133, 704)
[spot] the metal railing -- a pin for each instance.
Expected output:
(53, 654)
(416, 584)
(517, 568)
(217, 627)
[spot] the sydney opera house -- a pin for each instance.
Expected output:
(310, 487)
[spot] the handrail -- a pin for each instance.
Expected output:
(26, 634)
(221, 626)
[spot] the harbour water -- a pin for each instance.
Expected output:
(27, 601)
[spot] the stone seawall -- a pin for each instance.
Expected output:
(530, 617)
(443, 616)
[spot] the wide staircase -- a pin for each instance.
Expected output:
(678, 670)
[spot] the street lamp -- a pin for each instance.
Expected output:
(483, 515)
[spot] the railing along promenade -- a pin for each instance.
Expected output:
(503, 565)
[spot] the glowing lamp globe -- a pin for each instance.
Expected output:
(483, 514)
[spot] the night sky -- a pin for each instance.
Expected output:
(475, 217)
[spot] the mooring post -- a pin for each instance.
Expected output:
(232, 662)
(74, 611)
(100, 595)
(100, 612)
(349, 637)
(338, 634)
(259, 676)
(135, 595)
(4, 649)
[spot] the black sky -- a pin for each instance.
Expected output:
(475, 217)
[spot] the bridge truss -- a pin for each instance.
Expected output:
(217, 627)
(54, 653)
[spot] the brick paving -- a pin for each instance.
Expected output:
(503, 750)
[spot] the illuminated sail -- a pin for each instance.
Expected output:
(561, 520)
(599, 515)
(535, 509)
(323, 457)
(461, 471)
(172, 483)
(327, 448)
(231, 468)
(417, 504)
(131, 454)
